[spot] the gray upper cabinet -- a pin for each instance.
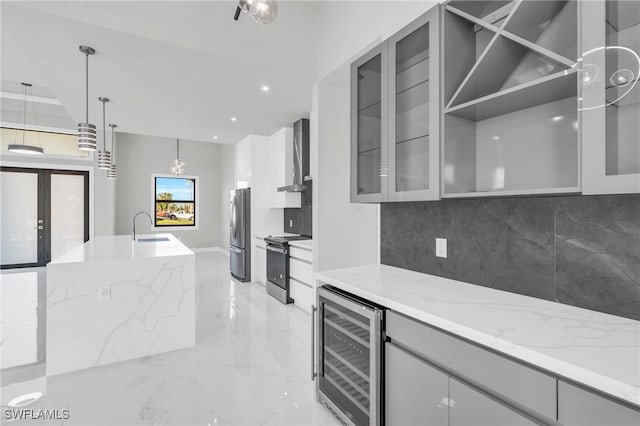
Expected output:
(510, 98)
(394, 116)
(369, 88)
(611, 96)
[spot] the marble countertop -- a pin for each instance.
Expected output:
(119, 247)
(305, 244)
(599, 350)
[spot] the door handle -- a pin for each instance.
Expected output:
(313, 343)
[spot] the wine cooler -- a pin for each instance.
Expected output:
(349, 356)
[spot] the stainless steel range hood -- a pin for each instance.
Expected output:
(300, 166)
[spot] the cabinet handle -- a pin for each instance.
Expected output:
(313, 343)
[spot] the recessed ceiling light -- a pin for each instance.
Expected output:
(234, 119)
(265, 88)
(215, 138)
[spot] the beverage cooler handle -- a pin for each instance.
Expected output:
(313, 343)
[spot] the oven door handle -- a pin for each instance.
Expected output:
(313, 343)
(276, 249)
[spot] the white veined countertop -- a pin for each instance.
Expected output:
(122, 247)
(599, 350)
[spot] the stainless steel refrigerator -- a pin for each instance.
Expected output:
(240, 239)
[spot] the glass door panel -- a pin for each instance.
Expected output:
(622, 69)
(19, 218)
(413, 110)
(67, 213)
(369, 126)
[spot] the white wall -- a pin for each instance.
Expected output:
(348, 28)
(345, 234)
(138, 157)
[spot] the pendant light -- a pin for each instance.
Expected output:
(178, 165)
(112, 173)
(24, 148)
(87, 131)
(104, 156)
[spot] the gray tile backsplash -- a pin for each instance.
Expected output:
(577, 250)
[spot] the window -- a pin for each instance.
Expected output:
(175, 201)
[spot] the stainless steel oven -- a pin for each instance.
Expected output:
(349, 356)
(278, 271)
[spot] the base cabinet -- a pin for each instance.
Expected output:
(578, 407)
(472, 408)
(416, 393)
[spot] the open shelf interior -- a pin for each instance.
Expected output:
(551, 24)
(505, 64)
(555, 87)
(528, 150)
(491, 12)
(622, 88)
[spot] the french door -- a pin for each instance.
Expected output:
(43, 213)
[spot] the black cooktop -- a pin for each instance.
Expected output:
(283, 239)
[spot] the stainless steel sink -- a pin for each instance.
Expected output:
(152, 240)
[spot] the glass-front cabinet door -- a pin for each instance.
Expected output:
(610, 96)
(369, 126)
(413, 138)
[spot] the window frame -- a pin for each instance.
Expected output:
(196, 204)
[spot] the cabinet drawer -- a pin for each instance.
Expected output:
(514, 382)
(416, 393)
(469, 407)
(301, 271)
(301, 254)
(577, 406)
(302, 295)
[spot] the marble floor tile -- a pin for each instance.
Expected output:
(250, 366)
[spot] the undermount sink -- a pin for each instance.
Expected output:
(152, 240)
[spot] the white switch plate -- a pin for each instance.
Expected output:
(104, 293)
(441, 247)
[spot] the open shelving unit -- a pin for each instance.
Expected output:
(511, 87)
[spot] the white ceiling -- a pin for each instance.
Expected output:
(170, 68)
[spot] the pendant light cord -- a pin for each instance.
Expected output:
(178, 148)
(87, 86)
(24, 113)
(104, 125)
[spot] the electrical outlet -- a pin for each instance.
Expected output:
(290, 223)
(104, 293)
(441, 247)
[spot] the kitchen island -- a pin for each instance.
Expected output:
(113, 299)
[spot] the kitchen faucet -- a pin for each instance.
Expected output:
(134, 222)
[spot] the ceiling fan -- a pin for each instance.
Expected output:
(262, 11)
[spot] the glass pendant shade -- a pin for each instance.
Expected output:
(112, 172)
(266, 11)
(104, 160)
(86, 137)
(178, 166)
(24, 148)
(86, 130)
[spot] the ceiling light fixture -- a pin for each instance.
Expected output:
(112, 173)
(24, 148)
(87, 131)
(262, 11)
(215, 138)
(265, 88)
(234, 119)
(104, 156)
(178, 165)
